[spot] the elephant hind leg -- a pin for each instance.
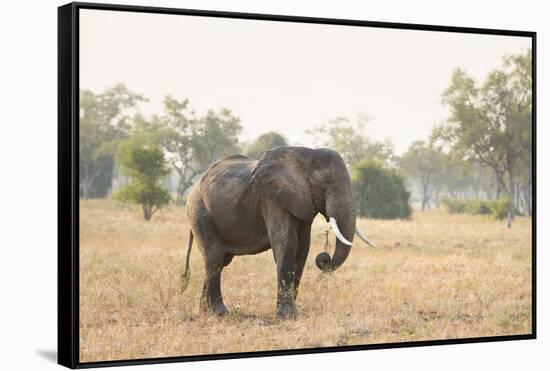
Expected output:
(212, 300)
(214, 251)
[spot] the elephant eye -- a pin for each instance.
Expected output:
(328, 179)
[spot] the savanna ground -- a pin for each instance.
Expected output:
(438, 276)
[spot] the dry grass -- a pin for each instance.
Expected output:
(438, 276)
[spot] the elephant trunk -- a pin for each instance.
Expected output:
(340, 211)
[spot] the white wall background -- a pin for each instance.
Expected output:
(28, 165)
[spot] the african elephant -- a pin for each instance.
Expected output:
(241, 206)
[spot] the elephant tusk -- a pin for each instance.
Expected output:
(336, 231)
(363, 237)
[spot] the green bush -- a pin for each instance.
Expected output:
(500, 209)
(478, 207)
(264, 143)
(380, 192)
(146, 166)
(497, 209)
(454, 206)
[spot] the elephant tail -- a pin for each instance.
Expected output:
(186, 275)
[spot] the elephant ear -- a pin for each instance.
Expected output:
(281, 176)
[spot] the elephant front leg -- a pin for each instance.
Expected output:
(304, 237)
(282, 229)
(286, 279)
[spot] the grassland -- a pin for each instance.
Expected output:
(438, 276)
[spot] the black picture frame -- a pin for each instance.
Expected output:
(68, 180)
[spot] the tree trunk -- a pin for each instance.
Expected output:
(86, 187)
(183, 186)
(87, 182)
(526, 198)
(180, 190)
(518, 197)
(147, 212)
(437, 198)
(425, 196)
(185, 180)
(85, 191)
(498, 191)
(511, 190)
(424, 203)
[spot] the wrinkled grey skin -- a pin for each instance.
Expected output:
(242, 207)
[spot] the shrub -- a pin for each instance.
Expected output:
(380, 192)
(497, 209)
(264, 143)
(454, 206)
(147, 168)
(500, 209)
(478, 207)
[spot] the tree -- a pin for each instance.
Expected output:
(218, 136)
(380, 191)
(104, 120)
(525, 185)
(192, 143)
(456, 176)
(350, 141)
(264, 143)
(462, 179)
(492, 122)
(147, 168)
(424, 164)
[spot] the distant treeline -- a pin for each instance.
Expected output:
(483, 151)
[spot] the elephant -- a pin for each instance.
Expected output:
(241, 207)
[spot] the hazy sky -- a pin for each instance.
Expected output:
(282, 76)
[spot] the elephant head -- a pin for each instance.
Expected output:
(305, 182)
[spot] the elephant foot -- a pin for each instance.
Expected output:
(286, 311)
(219, 310)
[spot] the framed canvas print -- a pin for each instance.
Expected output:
(239, 185)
